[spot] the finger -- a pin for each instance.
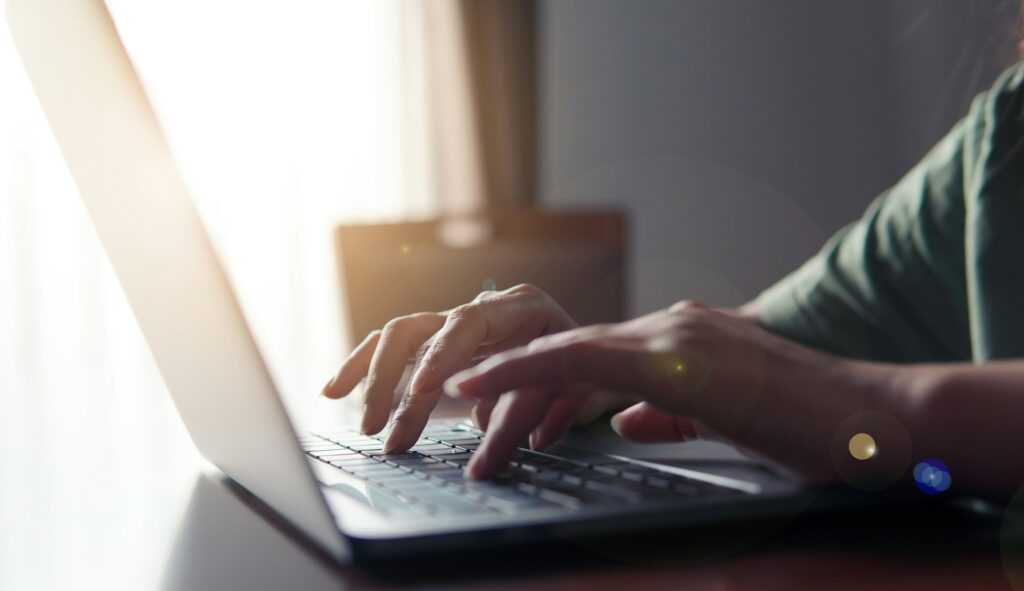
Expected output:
(514, 416)
(481, 413)
(560, 416)
(602, 363)
(600, 402)
(353, 369)
(643, 423)
(398, 341)
(410, 419)
(490, 320)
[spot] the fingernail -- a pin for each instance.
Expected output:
(364, 424)
(473, 416)
(327, 387)
(455, 386)
(422, 377)
(534, 441)
(616, 422)
(452, 388)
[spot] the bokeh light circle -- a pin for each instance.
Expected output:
(862, 446)
(932, 477)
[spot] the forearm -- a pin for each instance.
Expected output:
(970, 417)
(750, 312)
(964, 415)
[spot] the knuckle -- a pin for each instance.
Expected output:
(464, 312)
(395, 325)
(684, 306)
(687, 322)
(540, 343)
(526, 288)
(403, 324)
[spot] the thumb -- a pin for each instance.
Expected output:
(643, 423)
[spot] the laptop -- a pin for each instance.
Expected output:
(337, 488)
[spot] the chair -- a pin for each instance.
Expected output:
(389, 270)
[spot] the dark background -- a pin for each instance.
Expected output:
(739, 134)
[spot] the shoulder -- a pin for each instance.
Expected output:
(1004, 103)
(995, 124)
(1010, 83)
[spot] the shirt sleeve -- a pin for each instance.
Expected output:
(889, 287)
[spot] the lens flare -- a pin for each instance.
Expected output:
(932, 477)
(862, 446)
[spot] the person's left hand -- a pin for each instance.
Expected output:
(685, 364)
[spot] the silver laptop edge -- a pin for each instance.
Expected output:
(163, 258)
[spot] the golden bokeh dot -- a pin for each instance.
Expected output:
(862, 446)
(406, 248)
(679, 367)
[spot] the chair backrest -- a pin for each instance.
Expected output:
(389, 270)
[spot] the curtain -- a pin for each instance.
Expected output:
(484, 97)
(286, 121)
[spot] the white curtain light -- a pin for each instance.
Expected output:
(286, 120)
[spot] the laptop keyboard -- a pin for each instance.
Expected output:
(429, 479)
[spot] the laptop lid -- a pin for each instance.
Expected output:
(163, 258)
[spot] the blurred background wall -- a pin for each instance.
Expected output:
(739, 134)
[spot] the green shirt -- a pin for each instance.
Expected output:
(934, 271)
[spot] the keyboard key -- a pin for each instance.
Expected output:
(526, 487)
(463, 441)
(613, 491)
(374, 469)
(445, 435)
(351, 439)
(611, 469)
(442, 453)
(381, 455)
(332, 453)
(431, 449)
(347, 461)
(437, 466)
(413, 462)
(322, 447)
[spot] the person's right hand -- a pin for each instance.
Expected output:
(449, 342)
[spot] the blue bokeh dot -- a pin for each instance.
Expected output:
(932, 476)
